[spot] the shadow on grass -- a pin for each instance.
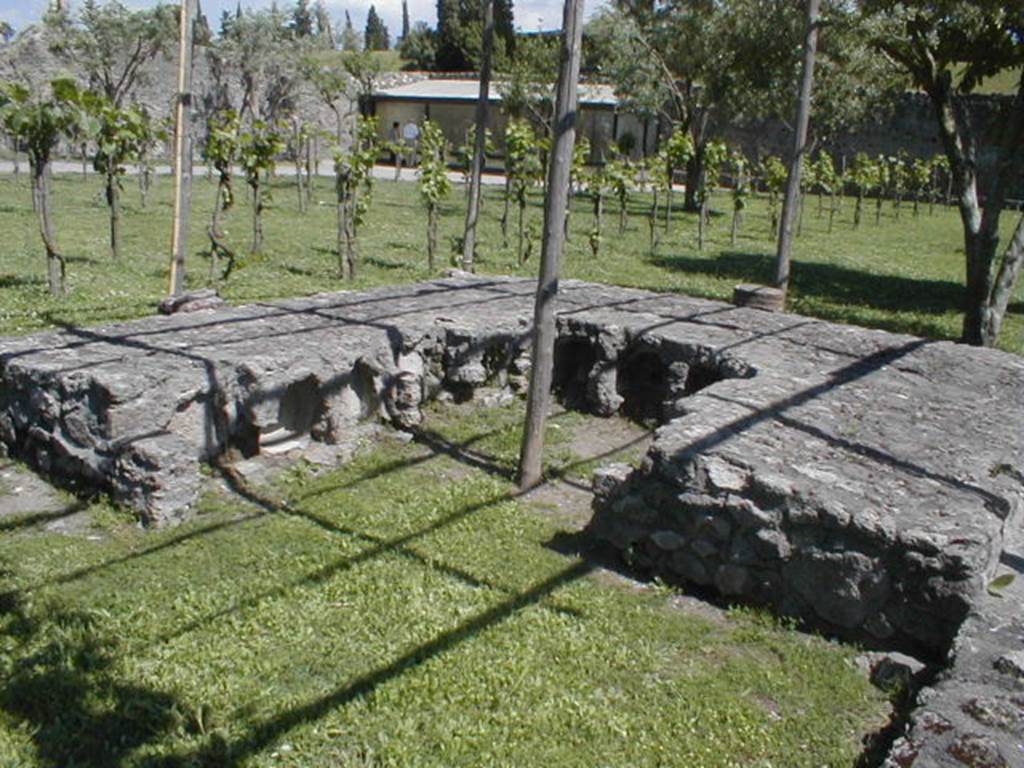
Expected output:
(62, 686)
(21, 281)
(831, 282)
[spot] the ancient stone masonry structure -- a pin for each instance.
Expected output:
(861, 480)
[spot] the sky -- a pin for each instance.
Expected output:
(529, 14)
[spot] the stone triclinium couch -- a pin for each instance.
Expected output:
(851, 477)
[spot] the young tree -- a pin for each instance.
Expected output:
(221, 151)
(715, 156)
(555, 203)
(619, 174)
(678, 154)
(257, 149)
(740, 190)
(523, 169)
(39, 122)
(773, 176)
(947, 49)
(435, 185)
(353, 180)
(880, 183)
(121, 135)
(862, 175)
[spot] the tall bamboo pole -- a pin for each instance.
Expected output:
(555, 205)
(182, 150)
(803, 116)
(480, 141)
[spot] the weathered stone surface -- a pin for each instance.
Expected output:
(815, 452)
(844, 475)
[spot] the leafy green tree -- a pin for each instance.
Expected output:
(6, 32)
(678, 154)
(353, 179)
(880, 184)
(740, 170)
(121, 136)
(435, 185)
(39, 122)
(376, 37)
(258, 147)
(221, 151)
(619, 173)
(827, 182)
(704, 65)
(263, 55)
(523, 170)
(948, 48)
(863, 176)
(716, 154)
(112, 45)
(419, 47)
(405, 19)
(460, 33)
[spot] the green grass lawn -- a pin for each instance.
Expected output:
(902, 275)
(402, 611)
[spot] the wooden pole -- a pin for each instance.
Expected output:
(182, 150)
(803, 115)
(480, 141)
(555, 205)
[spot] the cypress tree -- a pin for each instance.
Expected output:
(405, 19)
(376, 36)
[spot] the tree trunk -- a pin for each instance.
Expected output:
(803, 115)
(114, 203)
(55, 266)
(479, 141)
(622, 214)
(432, 211)
(257, 217)
(695, 168)
(702, 217)
(990, 281)
(652, 223)
(504, 213)
(346, 245)
(668, 202)
(858, 209)
(521, 226)
(556, 201)
(737, 222)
